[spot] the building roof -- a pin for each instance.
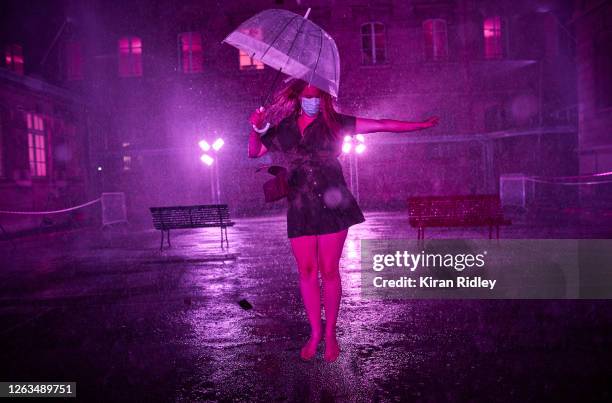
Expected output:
(40, 86)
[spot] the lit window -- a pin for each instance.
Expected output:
(37, 147)
(13, 58)
(130, 57)
(493, 46)
(435, 39)
(190, 52)
(373, 43)
(245, 61)
(248, 63)
(74, 61)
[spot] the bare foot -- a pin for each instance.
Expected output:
(309, 349)
(332, 349)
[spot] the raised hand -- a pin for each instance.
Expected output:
(257, 118)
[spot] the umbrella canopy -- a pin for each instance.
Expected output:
(291, 44)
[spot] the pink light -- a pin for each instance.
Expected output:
(218, 144)
(204, 145)
(347, 139)
(346, 148)
(360, 138)
(360, 148)
(207, 159)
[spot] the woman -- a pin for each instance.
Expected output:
(309, 132)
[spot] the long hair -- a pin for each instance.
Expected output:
(286, 102)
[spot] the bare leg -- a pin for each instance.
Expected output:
(305, 252)
(330, 251)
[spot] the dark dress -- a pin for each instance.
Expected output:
(319, 201)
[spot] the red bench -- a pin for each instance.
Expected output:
(456, 211)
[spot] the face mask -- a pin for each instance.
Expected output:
(310, 106)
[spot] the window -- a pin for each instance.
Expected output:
(602, 59)
(1, 153)
(493, 45)
(373, 43)
(127, 159)
(190, 52)
(130, 57)
(248, 63)
(245, 61)
(435, 39)
(127, 162)
(495, 118)
(37, 147)
(74, 61)
(13, 58)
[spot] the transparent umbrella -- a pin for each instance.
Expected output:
(291, 44)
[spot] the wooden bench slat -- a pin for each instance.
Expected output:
(191, 216)
(457, 210)
(198, 216)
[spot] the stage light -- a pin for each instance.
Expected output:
(204, 145)
(218, 144)
(352, 154)
(207, 159)
(99, 168)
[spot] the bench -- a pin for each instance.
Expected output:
(456, 211)
(201, 216)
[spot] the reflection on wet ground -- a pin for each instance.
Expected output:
(126, 321)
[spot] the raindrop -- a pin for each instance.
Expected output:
(332, 197)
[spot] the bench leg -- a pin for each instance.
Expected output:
(221, 237)
(168, 235)
(161, 245)
(421, 237)
(226, 238)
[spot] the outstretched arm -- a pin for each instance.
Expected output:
(364, 125)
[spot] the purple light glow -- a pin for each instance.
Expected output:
(347, 145)
(207, 159)
(204, 145)
(218, 144)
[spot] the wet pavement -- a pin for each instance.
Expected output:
(127, 322)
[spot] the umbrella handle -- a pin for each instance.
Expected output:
(281, 69)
